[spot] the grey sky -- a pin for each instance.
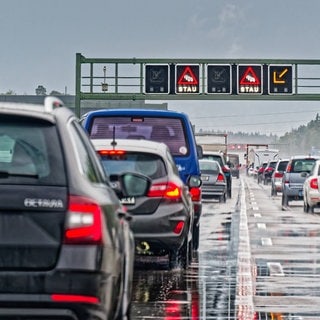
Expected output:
(40, 38)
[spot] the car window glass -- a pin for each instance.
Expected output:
(30, 148)
(167, 130)
(282, 165)
(148, 164)
(84, 156)
(213, 157)
(209, 167)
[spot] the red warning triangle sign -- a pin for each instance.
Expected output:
(187, 77)
(250, 78)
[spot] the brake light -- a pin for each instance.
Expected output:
(74, 298)
(84, 222)
(220, 177)
(278, 175)
(167, 190)
(225, 169)
(195, 193)
(314, 183)
(179, 227)
(111, 152)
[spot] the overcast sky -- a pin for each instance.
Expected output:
(40, 39)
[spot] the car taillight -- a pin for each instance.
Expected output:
(178, 227)
(83, 222)
(74, 298)
(278, 175)
(167, 190)
(225, 169)
(220, 177)
(314, 183)
(195, 193)
(112, 152)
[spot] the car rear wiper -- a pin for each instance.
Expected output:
(7, 174)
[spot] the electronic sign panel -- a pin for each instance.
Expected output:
(187, 79)
(157, 78)
(250, 79)
(280, 79)
(219, 79)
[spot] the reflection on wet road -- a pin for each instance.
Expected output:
(206, 290)
(255, 262)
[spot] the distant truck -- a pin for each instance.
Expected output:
(213, 142)
(234, 164)
(257, 157)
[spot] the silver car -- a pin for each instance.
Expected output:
(311, 188)
(214, 184)
(293, 180)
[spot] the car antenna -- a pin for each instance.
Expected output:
(114, 143)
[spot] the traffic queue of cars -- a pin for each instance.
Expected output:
(80, 199)
(297, 179)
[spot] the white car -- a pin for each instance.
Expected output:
(311, 188)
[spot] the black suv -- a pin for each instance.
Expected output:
(66, 246)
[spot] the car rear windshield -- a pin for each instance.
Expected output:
(167, 130)
(214, 157)
(209, 167)
(282, 165)
(303, 165)
(148, 164)
(30, 152)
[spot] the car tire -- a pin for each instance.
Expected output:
(196, 236)
(180, 257)
(285, 200)
(229, 192)
(183, 255)
(273, 191)
(305, 207)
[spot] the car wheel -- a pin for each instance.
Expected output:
(195, 236)
(285, 201)
(173, 259)
(305, 207)
(229, 192)
(183, 255)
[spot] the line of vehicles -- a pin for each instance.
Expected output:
(80, 199)
(297, 178)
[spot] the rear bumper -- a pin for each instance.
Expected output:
(80, 295)
(39, 307)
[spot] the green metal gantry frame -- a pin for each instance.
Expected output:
(124, 79)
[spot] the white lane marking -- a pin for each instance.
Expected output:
(275, 269)
(266, 242)
(244, 293)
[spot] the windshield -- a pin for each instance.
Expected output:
(167, 130)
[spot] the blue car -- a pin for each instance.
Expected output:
(170, 127)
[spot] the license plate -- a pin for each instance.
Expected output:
(128, 200)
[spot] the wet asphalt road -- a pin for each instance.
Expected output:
(255, 261)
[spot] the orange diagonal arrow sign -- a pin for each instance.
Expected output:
(278, 78)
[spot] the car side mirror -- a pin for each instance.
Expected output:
(199, 151)
(194, 182)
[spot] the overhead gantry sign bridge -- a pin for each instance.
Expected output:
(196, 79)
